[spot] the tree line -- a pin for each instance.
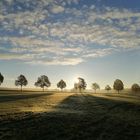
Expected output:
(43, 81)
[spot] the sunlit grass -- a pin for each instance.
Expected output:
(120, 97)
(30, 101)
(29, 115)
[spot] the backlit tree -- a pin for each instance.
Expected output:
(1, 78)
(61, 84)
(135, 88)
(21, 81)
(43, 81)
(107, 88)
(81, 85)
(118, 85)
(95, 86)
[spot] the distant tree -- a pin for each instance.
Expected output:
(1, 78)
(95, 86)
(81, 85)
(21, 81)
(61, 84)
(43, 81)
(107, 88)
(135, 88)
(76, 86)
(118, 85)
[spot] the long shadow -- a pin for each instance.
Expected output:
(123, 96)
(89, 102)
(9, 98)
(100, 119)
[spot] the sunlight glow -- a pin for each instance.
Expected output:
(75, 80)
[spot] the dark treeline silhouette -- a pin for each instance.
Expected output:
(43, 81)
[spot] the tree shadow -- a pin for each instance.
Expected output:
(9, 98)
(124, 96)
(91, 103)
(88, 117)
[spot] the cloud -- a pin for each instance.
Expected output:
(34, 51)
(60, 61)
(99, 53)
(57, 9)
(7, 56)
(54, 32)
(112, 13)
(100, 35)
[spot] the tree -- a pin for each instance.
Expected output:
(21, 81)
(107, 88)
(43, 81)
(1, 78)
(76, 86)
(118, 85)
(95, 86)
(135, 88)
(81, 85)
(61, 84)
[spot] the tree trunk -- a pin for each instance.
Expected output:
(80, 90)
(21, 88)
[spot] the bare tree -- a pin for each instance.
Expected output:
(43, 81)
(107, 87)
(21, 81)
(1, 78)
(135, 87)
(118, 85)
(61, 84)
(95, 86)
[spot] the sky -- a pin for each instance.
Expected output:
(98, 40)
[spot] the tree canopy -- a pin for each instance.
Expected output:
(1, 78)
(135, 87)
(43, 81)
(95, 86)
(81, 85)
(118, 85)
(21, 81)
(107, 87)
(61, 84)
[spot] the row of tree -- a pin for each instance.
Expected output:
(118, 85)
(43, 81)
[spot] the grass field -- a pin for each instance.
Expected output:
(69, 116)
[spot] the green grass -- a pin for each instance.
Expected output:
(69, 116)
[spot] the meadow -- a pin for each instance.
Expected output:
(54, 115)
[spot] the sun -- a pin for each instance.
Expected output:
(75, 79)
